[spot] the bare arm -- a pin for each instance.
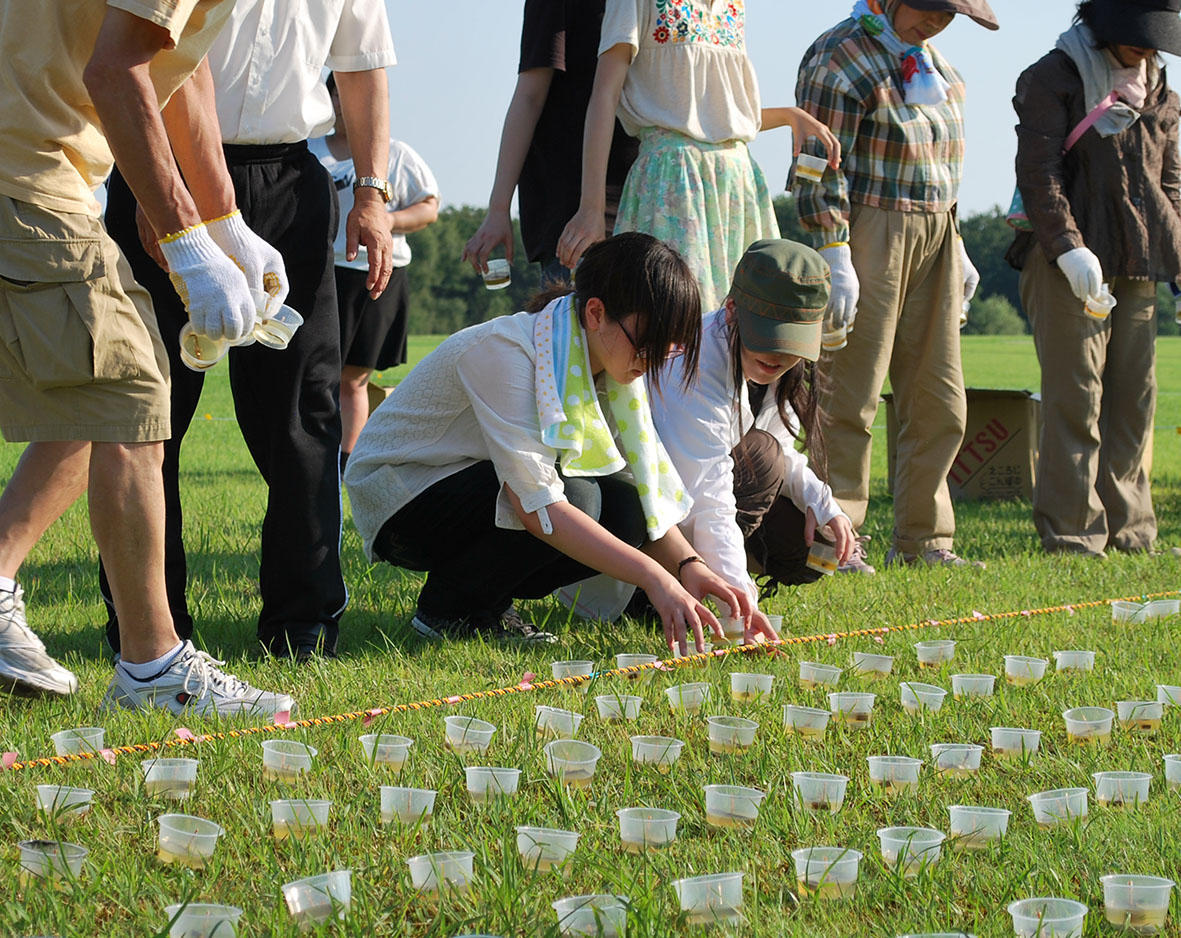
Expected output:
(190, 118)
(414, 217)
(803, 125)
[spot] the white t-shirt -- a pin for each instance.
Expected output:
(410, 178)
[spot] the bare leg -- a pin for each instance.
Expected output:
(354, 404)
(48, 479)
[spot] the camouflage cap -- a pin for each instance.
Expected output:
(780, 292)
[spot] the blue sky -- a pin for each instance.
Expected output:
(457, 68)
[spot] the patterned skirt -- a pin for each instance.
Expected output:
(708, 200)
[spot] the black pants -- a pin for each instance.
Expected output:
(287, 402)
(475, 569)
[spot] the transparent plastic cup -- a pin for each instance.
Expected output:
(687, 698)
(1126, 611)
(1172, 771)
(870, 666)
(1088, 726)
(750, 688)
(1169, 694)
(814, 674)
(632, 661)
(894, 775)
(835, 339)
(972, 685)
(556, 723)
(298, 818)
(543, 849)
(565, 669)
(917, 697)
(169, 778)
(729, 735)
(443, 871)
(934, 654)
(1100, 305)
(186, 840)
(78, 739)
(1022, 670)
(1074, 660)
(826, 872)
(603, 916)
(643, 829)
(732, 805)
(276, 324)
(203, 920)
(1121, 789)
(1058, 805)
(909, 849)
(734, 628)
(286, 759)
(199, 352)
(956, 760)
(976, 828)
(498, 275)
(1142, 717)
(50, 859)
(853, 709)
(806, 722)
(1012, 742)
(1139, 904)
(713, 899)
(820, 792)
(658, 751)
(571, 762)
(485, 782)
(810, 167)
(407, 805)
(1047, 917)
(822, 557)
(386, 750)
(776, 622)
(616, 708)
(316, 899)
(63, 803)
(466, 734)
(1161, 608)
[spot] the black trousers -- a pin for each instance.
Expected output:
(287, 402)
(475, 569)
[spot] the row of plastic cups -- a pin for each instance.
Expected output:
(1124, 611)
(563, 724)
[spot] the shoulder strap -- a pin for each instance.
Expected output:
(1089, 121)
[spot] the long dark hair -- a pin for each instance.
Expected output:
(636, 273)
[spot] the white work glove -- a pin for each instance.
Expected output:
(212, 287)
(261, 263)
(846, 290)
(1082, 271)
(971, 274)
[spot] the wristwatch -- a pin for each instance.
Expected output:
(375, 182)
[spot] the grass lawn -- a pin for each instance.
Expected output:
(124, 888)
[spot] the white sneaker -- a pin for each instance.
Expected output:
(194, 683)
(25, 667)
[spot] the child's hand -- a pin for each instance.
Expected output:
(803, 125)
(584, 229)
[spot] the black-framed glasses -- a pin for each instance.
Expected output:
(641, 354)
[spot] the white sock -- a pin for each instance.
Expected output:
(149, 669)
(8, 584)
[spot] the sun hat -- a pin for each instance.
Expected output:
(1146, 24)
(780, 292)
(979, 10)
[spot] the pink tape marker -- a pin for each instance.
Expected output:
(370, 716)
(9, 758)
(108, 756)
(185, 734)
(282, 718)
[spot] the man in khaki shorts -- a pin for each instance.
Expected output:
(83, 372)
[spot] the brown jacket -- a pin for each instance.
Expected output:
(1120, 196)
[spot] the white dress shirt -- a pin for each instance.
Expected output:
(267, 64)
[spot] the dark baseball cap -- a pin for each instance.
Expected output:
(780, 292)
(1145, 24)
(979, 10)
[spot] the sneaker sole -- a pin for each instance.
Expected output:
(23, 684)
(426, 631)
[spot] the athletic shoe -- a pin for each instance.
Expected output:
(194, 683)
(510, 627)
(939, 557)
(857, 562)
(507, 628)
(25, 666)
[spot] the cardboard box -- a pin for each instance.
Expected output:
(998, 458)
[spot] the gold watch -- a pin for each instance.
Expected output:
(375, 182)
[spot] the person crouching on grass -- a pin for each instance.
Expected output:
(520, 456)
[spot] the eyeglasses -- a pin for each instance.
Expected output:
(641, 354)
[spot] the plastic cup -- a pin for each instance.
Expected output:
(776, 622)
(276, 325)
(1022, 670)
(294, 817)
(571, 762)
(1121, 789)
(543, 849)
(894, 774)
(814, 674)
(714, 899)
(935, 653)
(687, 698)
(1088, 726)
(1126, 611)
(444, 871)
(1074, 660)
(79, 739)
(1011, 742)
(1173, 771)
(203, 920)
(853, 709)
(1100, 305)
(749, 688)
(643, 829)
(386, 750)
(810, 167)
(485, 782)
(972, 685)
(556, 723)
(835, 339)
(976, 828)
(917, 697)
(1139, 904)
(660, 751)
(632, 661)
(498, 275)
(601, 915)
(63, 803)
(826, 872)
(407, 805)
(734, 628)
(50, 859)
(169, 778)
(956, 760)
(1057, 805)
(466, 734)
(1169, 694)
(316, 899)
(616, 708)
(805, 722)
(822, 557)
(564, 669)
(199, 352)
(871, 666)
(909, 849)
(1047, 917)
(286, 759)
(819, 791)
(186, 840)
(729, 735)
(732, 805)
(1142, 717)
(1160, 608)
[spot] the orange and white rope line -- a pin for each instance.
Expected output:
(187, 738)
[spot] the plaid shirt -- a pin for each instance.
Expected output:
(893, 156)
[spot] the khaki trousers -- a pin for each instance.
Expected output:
(908, 328)
(1098, 405)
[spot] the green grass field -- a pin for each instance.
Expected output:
(124, 888)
